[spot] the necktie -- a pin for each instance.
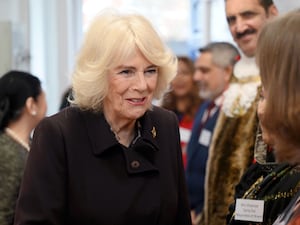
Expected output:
(207, 114)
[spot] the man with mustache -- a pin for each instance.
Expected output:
(232, 148)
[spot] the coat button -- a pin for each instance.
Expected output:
(135, 164)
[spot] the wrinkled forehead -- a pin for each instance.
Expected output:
(234, 7)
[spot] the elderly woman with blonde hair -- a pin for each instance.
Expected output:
(112, 157)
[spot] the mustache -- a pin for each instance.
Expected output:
(246, 32)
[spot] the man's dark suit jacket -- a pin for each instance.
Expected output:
(77, 173)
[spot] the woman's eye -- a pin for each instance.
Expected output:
(127, 72)
(131, 72)
(152, 71)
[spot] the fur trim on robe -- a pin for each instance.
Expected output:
(230, 154)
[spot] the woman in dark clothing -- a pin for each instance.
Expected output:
(278, 58)
(112, 157)
(22, 106)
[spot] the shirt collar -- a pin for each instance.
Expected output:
(219, 100)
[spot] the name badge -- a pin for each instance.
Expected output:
(249, 210)
(204, 137)
(185, 134)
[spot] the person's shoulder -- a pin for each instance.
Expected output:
(5, 143)
(295, 174)
(66, 116)
(201, 109)
(161, 112)
(160, 115)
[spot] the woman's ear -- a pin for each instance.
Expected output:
(31, 106)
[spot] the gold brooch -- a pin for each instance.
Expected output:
(153, 131)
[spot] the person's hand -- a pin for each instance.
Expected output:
(194, 217)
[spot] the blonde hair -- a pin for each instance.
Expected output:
(111, 39)
(278, 57)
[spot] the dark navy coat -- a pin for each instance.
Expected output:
(197, 155)
(77, 173)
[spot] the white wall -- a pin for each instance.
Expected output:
(14, 39)
(55, 36)
(42, 37)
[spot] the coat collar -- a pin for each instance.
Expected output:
(102, 139)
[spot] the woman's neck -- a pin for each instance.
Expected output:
(182, 104)
(287, 152)
(19, 135)
(124, 130)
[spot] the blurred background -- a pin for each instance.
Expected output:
(43, 36)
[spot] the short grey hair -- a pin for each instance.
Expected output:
(224, 54)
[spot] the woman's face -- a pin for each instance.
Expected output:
(39, 108)
(130, 88)
(41, 105)
(183, 83)
(260, 112)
